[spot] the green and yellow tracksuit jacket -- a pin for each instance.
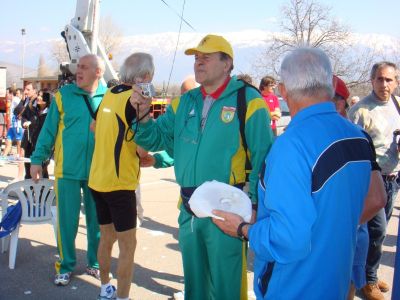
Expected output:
(214, 152)
(67, 129)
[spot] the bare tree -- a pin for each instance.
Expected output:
(110, 34)
(59, 51)
(309, 23)
(43, 70)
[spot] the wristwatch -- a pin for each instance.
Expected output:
(239, 231)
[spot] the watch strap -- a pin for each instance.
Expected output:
(239, 231)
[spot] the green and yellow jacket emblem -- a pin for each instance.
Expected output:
(227, 114)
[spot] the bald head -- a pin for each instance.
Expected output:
(188, 84)
(89, 71)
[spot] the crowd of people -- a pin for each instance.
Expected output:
(24, 118)
(322, 193)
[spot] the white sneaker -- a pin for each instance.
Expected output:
(62, 279)
(179, 295)
(111, 293)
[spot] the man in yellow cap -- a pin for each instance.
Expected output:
(202, 129)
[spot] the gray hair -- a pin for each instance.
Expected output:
(307, 72)
(383, 64)
(98, 62)
(136, 65)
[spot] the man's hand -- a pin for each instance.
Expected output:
(26, 124)
(93, 126)
(230, 223)
(253, 216)
(140, 103)
(36, 172)
(276, 115)
(147, 161)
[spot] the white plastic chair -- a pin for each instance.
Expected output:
(37, 200)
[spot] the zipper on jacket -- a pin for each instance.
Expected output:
(201, 130)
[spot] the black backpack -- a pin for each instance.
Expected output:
(241, 111)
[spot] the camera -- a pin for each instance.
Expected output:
(148, 90)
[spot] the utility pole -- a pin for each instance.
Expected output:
(23, 33)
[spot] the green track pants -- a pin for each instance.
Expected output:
(69, 197)
(214, 264)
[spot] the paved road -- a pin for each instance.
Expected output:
(158, 270)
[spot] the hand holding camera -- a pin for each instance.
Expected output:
(148, 90)
(142, 94)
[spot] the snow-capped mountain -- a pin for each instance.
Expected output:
(248, 47)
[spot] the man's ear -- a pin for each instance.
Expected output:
(99, 73)
(282, 90)
(228, 64)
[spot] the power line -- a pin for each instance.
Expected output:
(177, 43)
(180, 16)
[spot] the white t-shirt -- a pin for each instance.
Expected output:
(14, 102)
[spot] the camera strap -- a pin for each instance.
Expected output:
(91, 112)
(396, 103)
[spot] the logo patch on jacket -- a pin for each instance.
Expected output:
(227, 114)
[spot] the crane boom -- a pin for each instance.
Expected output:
(81, 37)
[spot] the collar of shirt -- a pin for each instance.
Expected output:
(266, 94)
(316, 109)
(218, 91)
(379, 101)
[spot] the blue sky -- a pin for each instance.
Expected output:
(44, 19)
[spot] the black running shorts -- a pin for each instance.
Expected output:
(118, 207)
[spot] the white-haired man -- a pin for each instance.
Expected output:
(66, 130)
(114, 175)
(312, 193)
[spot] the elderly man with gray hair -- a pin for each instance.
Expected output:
(66, 130)
(114, 174)
(311, 194)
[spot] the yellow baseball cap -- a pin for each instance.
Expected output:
(210, 44)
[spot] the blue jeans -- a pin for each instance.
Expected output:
(377, 229)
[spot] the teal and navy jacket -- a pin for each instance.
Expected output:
(215, 152)
(67, 129)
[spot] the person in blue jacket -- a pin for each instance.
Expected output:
(311, 195)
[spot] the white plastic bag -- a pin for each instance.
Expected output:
(217, 195)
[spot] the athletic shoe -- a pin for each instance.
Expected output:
(179, 295)
(111, 293)
(94, 272)
(383, 286)
(62, 279)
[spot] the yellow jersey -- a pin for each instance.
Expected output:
(115, 164)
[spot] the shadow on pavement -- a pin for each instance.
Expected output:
(151, 224)
(390, 240)
(388, 258)
(34, 271)
(149, 280)
(169, 179)
(5, 178)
